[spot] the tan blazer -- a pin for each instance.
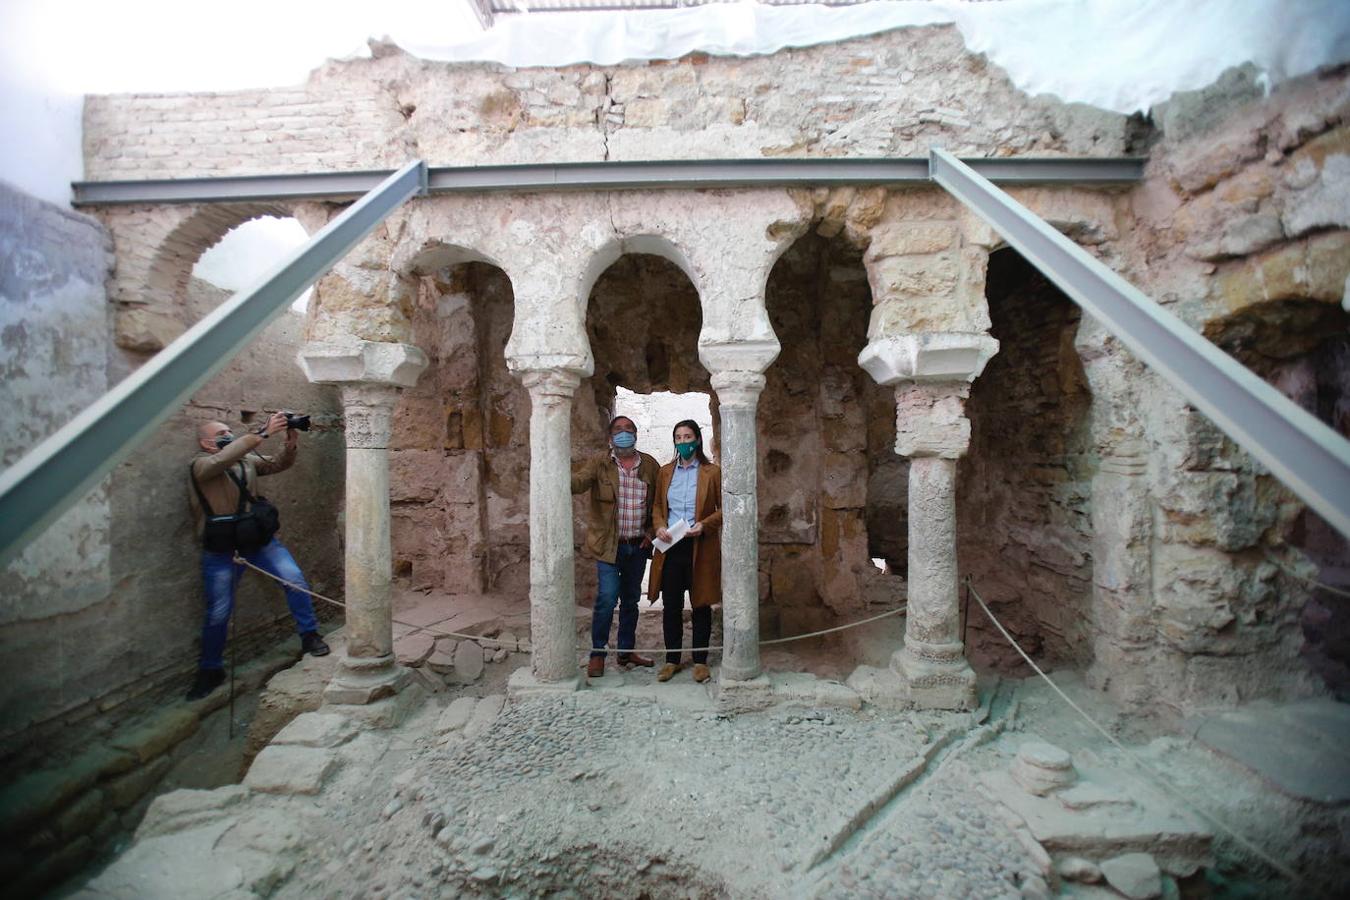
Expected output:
(707, 587)
(219, 489)
(600, 476)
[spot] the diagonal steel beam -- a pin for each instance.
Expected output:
(1305, 454)
(56, 473)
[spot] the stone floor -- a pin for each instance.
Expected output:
(631, 788)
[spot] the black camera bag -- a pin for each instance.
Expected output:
(254, 529)
(246, 532)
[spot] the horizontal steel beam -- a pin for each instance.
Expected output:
(686, 174)
(56, 473)
(1305, 454)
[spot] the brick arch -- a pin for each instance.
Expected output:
(155, 249)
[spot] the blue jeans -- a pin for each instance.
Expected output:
(621, 584)
(221, 577)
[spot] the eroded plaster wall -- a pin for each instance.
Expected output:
(54, 345)
(103, 611)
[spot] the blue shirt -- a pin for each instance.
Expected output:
(682, 493)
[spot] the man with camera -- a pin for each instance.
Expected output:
(230, 518)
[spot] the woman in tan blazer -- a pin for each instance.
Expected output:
(690, 488)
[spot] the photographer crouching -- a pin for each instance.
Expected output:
(231, 518)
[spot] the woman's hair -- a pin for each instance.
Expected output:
(698, 433)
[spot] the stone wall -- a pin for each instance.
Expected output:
(890, 94)
(459, 464)
(1023, 514)
(826, 446)
(1239, 228)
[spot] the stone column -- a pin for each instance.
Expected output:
(553, 659)
(933, 432)
(738, 398)
(737, 368)
(932, 374)
(370, 375)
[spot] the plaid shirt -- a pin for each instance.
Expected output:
(632, 501)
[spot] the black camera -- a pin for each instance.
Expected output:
(299, 423)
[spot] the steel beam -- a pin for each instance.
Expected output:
(686, 174)
(42, 485)
(1305, 454)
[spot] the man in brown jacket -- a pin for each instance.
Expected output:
(622, 484)
(222, 459)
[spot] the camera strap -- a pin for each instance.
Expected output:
(206, 505)
(241, 481)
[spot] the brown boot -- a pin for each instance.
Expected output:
(596, 667)
(668, 671)
(632, 659)
(701, 673)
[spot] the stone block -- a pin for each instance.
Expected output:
(1041, 768)
(468, 662)
(455, 716)
(79, 817)
(414, 649)
(290, 770)
(522, 685)
(37, 797)
(916, 277)
(442, 658)
(125, 790)
(910, 238)
(156, 735)
(317, 729)
(485, 712)
(183, 809)
(1135, 875)
(143, 330)
(843, 481)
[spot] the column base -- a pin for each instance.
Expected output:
(522, 684)
(739, 696)
(880, 687)
(360, 681)
(936, 683)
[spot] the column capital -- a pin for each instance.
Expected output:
(928, 356)
(552, 382)
(930, 419)
(368, 414)
(736, 390)
(351, 360)
(752, 355)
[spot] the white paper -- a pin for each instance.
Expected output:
(677, 531)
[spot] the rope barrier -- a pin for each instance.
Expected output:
(1320, 585)
(1138, 761)
(899, 610)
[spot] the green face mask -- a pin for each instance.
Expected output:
(686, 449)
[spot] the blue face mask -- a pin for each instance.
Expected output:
(224, 441)
(624, 440)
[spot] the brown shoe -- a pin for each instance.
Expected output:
(632, 659)
(668, 672)
(701, 673)
(596, 667)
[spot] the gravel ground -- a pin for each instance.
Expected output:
(608, 796)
